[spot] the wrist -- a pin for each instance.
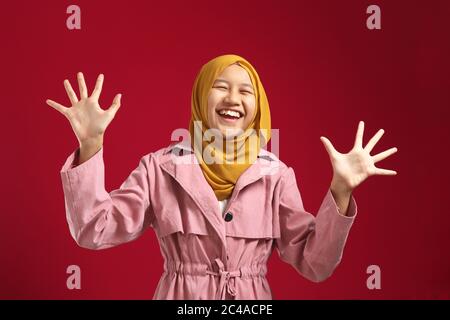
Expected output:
(339, 188)
(91, 143)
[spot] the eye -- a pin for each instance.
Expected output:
(221, 87)
(246, 92)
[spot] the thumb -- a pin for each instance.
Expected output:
(116, 104)
(328, 146)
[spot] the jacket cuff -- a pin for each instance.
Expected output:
(72, 176)
(70, 168)
(351, 210)
(329, 214)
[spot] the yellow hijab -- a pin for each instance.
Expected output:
(223, 174)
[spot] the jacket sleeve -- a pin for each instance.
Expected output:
(312, 245)
(99, 219)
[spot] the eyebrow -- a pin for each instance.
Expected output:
(242, 84)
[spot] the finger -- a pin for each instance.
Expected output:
(98, 87)
(385, 172)
(82, 86)
(372, 142)
(328, 146)
(57, 106)
(115, 105)
(383, 155)
(359, 135)
(72, 96)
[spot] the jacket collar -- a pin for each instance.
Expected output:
(181, 153)
(184, 148)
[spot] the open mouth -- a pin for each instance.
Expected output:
(230, 114)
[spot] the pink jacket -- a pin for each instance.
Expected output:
(207, 256)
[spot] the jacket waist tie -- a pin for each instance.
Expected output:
(226, 281)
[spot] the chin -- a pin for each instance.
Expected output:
(230, 132)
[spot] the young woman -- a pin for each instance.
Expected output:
(218, 211)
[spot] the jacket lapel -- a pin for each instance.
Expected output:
(187, 172)
(183, 166)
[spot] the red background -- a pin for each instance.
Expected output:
(323, 71)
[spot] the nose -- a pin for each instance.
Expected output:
(232, 98)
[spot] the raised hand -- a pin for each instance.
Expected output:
(352, 168)
(88, 120)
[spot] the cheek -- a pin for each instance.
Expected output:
(213, 100)
(250, 109)
(211, 107)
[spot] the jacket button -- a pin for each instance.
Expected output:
(228, 217)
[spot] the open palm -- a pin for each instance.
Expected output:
(88, 120)
(352, 168)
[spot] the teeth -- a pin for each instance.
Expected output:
(230, 113)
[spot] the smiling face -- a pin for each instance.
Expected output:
(231, 101)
